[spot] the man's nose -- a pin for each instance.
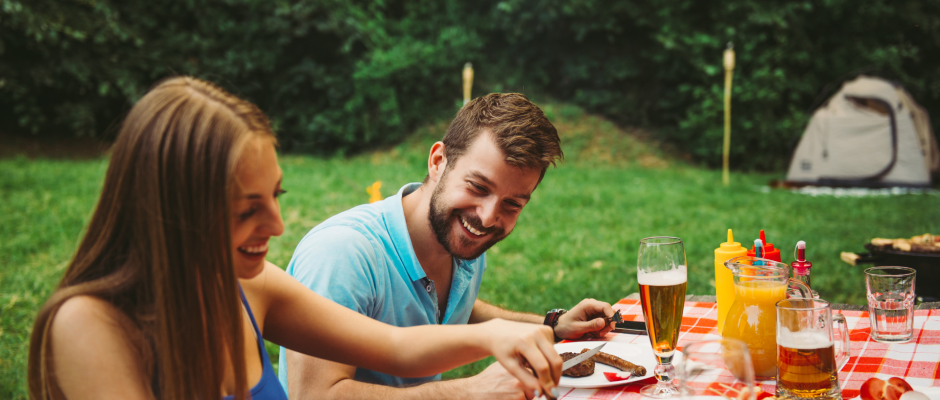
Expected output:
(488, 212)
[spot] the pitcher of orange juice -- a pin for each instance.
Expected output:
(758, 285)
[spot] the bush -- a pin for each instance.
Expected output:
(660, 62)
(341, 76)
(332, 75)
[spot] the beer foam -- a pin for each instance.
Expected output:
(803, 340)
(663, 278)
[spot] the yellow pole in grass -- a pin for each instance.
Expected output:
(467, 82)
(729, 71)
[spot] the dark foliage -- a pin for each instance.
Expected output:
(342, 76)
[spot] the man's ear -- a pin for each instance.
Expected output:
(437, 162)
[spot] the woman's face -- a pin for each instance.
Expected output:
(257, 214)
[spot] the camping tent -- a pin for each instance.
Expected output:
(871, 133)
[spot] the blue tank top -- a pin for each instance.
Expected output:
(268, 388)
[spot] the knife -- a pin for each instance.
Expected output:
(578, 359)
(631, 327)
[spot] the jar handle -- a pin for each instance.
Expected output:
(803, 289)
(843, 356)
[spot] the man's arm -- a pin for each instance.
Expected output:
(584, 320)
(315, 378)
(483, 312)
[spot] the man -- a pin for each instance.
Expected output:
(418, 257)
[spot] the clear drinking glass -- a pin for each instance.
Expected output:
(717, 368)
(891, 303)
(661, 273)
(807, 361)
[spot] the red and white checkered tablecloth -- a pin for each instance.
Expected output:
(918, 361)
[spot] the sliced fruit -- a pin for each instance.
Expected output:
(872, 389)
(877, 389)
(617, 376)
(895, 388)
(900, 383)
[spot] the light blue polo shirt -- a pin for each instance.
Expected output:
(363, 259)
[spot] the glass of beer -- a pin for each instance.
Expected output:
(661, 273)
(719, 367)
(807, 362)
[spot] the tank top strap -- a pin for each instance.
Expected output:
(268, 388)
(251, 316)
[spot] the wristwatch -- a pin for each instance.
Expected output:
(551, 319)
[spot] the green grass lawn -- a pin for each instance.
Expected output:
(577, 238)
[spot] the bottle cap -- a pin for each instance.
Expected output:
(730, 246)
(800, 266)
(770, 252)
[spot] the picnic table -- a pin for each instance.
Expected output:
(917, 361)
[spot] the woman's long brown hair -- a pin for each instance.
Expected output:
(158, 245)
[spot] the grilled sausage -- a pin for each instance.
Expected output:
(619, 363)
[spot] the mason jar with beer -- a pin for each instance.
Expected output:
(807, 362)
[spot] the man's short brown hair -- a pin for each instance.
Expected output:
(519, 128)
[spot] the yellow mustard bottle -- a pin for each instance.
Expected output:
(724, 280)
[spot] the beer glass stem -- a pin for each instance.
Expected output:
(665, 371)
(665, 387)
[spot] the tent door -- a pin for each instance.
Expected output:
(882, 106)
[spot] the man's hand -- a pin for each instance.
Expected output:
(495, 383)
(585, 320)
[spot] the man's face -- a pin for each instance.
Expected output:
(477, 200)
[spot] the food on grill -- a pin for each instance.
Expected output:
(585, 368)
(619, 363)
(925, 243)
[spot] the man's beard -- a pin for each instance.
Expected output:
(439, 217)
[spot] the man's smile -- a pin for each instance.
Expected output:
(469, 227)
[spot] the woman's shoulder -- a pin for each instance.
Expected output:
(97, 349)
(85, 320)
(86, 306)
(88, 314)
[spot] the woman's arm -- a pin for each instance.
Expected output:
(299, 319)
(93, 357)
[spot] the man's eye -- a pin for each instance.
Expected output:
(279, 192)
(478, 188)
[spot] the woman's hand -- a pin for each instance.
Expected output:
(519, 345)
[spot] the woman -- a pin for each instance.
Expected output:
(168, 295)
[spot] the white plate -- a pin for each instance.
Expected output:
(632, 352)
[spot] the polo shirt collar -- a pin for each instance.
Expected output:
(398, 230)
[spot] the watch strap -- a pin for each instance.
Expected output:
(551, 320)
